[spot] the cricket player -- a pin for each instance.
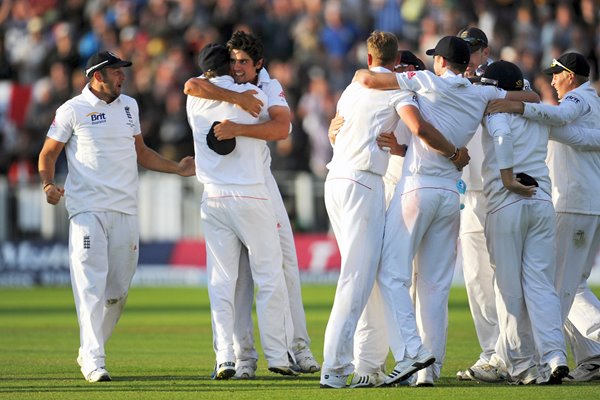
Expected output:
(354, 197)
(100, 132)
(424, 211)
(477, 270)
(237, 211)
(247, 67)
(520, 232)
(576, 187)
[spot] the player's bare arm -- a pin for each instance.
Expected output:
(376, 80)
(388, 141)
(511, 183)
(46, 166)
(334, 127)
(151, 160)
(434, 138)
(277, 128)
(199, 87)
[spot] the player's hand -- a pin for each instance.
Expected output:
(226, 130)
(186, 167)
(504, 106)
(248, 102)
(387, 141)
(334, 127)
(517, 187)
(463, 158)
(53, 194)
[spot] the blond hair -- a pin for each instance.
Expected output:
(383, 47)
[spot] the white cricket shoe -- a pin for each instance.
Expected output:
(409, 366)
(244, 372)
(224, 371)
(375, 379)
(486, 373)
(530, 377)
(284, 370)
(463, 375)
(329, 381)
(584, 372)
(306, 364)
(98, 375)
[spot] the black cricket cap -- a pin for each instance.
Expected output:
(212, 57)
(503, 74)
(104, 59)
(475, 37)
(453, 49)
(570, 62)
(222, 147)
(408, 57)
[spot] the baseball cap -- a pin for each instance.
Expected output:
(407, 57)
(503, 74)
(213, 56)
(475, 37)
(104, 59)
(571, 62)
(453, 49)
(222, 147)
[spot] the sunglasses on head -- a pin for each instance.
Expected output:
(488, 81)
(475, 41)
(556, 63)
(401, 65)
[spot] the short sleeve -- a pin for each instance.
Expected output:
(63, 124)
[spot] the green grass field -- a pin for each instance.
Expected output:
(162, 349)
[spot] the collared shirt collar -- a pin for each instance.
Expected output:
(91, 98)
(263, 77)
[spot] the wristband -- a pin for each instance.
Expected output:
(46, 185)
(454, 156)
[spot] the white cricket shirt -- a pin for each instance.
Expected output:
(575, 173)
(275, 97)
(100, 148)
(509, 140)
(455, 107)
(245, 164)
(367, 113)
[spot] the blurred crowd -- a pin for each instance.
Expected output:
(312, 47)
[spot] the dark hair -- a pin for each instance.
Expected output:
(220, 71)
(456, 67)
(247, 42)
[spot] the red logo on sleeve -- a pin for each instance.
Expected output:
(411, 74)
(282, 94)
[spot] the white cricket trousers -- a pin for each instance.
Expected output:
(371, 343)
(578, 243)
(103, 253)
(236, 216)
(422, 223)
(243, 337)
(521, 236)
(478, 273)
(356, 207)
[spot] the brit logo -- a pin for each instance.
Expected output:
(86, 242)
(128, 112)
(411, 74)
(97, 118)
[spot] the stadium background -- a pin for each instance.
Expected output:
(312, 47)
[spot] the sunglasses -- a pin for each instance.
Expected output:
(556, 63)
(475, 42)
(401, 65)
(488, 81)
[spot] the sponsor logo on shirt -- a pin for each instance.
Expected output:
(97, 118)
(573, 99)
(86, 242)
(282, 94)
(411, 74)
(129, 117)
